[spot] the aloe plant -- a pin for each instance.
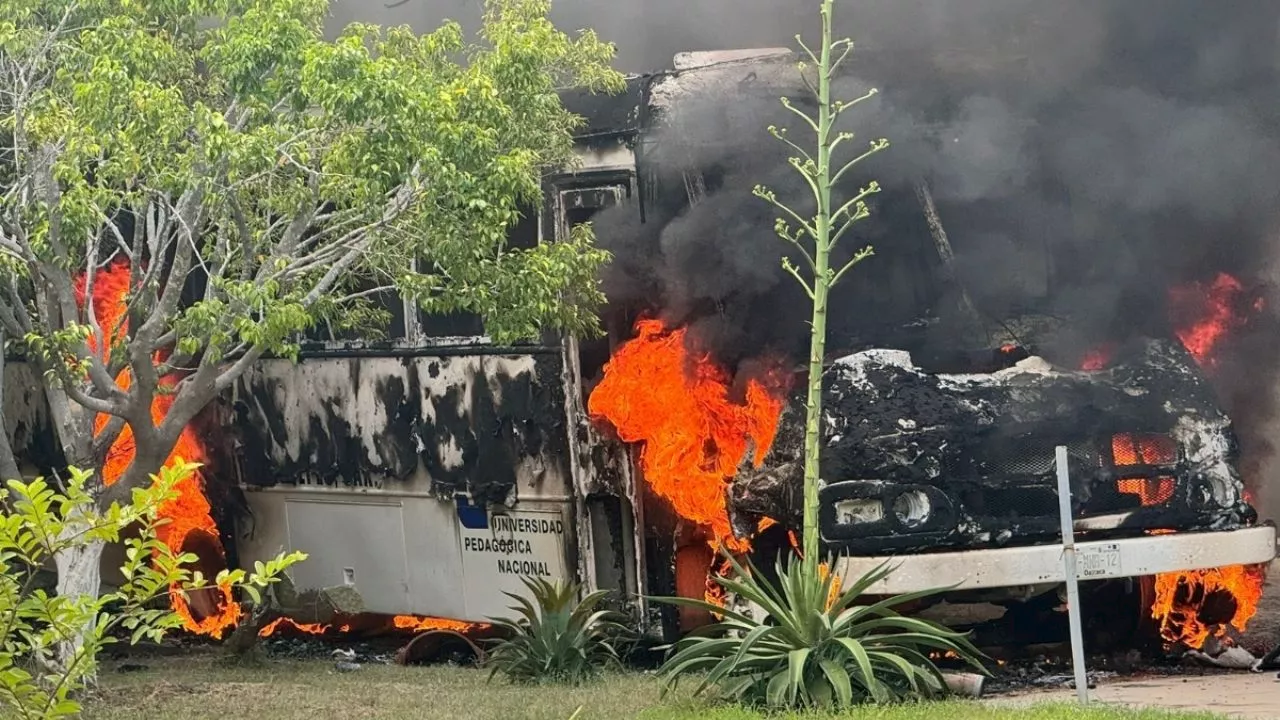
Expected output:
(555, 637)
(815, 646)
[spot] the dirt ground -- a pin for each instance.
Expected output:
(1244, 695)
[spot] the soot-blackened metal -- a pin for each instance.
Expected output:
(980, 447)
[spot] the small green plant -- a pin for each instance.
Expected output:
(38, 523)
(815, 646)
(556, 637)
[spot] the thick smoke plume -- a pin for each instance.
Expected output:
(1085, 158)
(1109, 149)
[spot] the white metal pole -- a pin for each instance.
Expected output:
(1073, 587)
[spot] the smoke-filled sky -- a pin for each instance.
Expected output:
(647, 32)
(1110, 147)
(1095, 152)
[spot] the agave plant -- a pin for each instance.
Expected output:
(556, 637)
(816, 645)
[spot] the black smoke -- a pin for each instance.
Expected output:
(1085, 157)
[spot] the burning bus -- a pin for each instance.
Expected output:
(433, 472)
(940, 416)
(429, 473)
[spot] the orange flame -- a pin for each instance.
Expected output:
(1203, 313)
(1143, 449)
(410, 623)
(1150, 491)
(1180, 598)
(187, 518)
(287, 623)
(693, 434)
(1209, 312)
(416, 623)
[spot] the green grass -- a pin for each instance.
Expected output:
(194, 686)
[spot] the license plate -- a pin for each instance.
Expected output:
(1099, 561)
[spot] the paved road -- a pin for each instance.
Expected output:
(1250, 696)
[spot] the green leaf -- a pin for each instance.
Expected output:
(796, 660)
(839, 680)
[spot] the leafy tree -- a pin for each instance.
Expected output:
(45, 655)
(816, 236)
(815, 646)
(248, 179)
(556, 637)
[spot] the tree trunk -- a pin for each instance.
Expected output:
(80, 564)
(243, 642)
(79, 575)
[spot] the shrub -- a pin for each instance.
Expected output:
(38, 522)
(556, 638)
(815, 646)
